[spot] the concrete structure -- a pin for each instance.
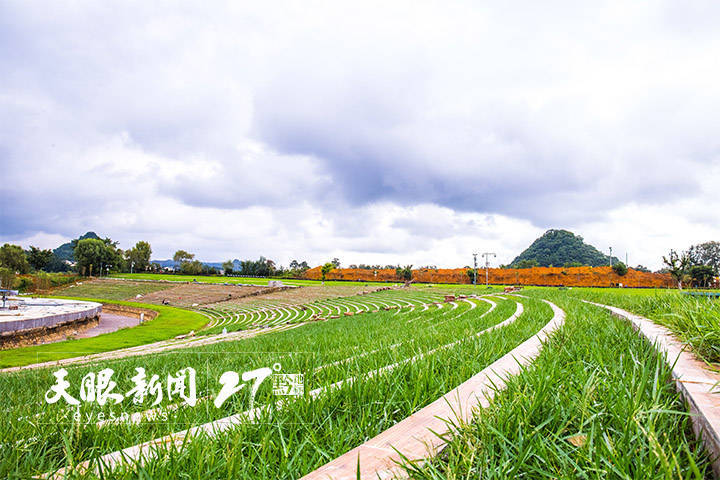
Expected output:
(693, 379)
(34, 313)
(5, 294)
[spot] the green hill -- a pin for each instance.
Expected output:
(559, 248)
(65, 251)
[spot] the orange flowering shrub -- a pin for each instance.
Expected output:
(549, 276)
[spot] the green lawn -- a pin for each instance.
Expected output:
(696, 320)
(599, 402)
(169, 323)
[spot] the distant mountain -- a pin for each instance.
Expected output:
(560, 247)
(65, 251)
(218, 265)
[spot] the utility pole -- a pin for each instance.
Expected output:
(611, 256)
(626, 260)
(475, 271)
(487, 266)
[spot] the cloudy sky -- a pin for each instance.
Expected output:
(377, 132)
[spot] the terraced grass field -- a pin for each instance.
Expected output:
(598, 402)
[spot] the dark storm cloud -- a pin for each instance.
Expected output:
(524, 170)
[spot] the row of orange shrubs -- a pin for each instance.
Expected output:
(551, 276)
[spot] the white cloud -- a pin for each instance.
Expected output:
(380, 132)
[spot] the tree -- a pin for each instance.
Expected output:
(620, 268)
(707, 253)
(228, 267)
(139, 256)
(191, 268)
(405, 273)
(470, 273)
(13, 258)
(527, 263)
(336, 262)
(113, 257)
(95, 255)
(89, 254)
(677, 266)
(208, 269)
(296, 268)
(39, 259)
(182, 256)
(7, 278)
(702, 275)
(325, 269)
(57, 265)
(642, 268)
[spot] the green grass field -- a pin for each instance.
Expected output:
(169, 323)
(597, 403)
(696, 320)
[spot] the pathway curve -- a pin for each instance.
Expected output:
(697, 384)
(421, 435)
(143, 452)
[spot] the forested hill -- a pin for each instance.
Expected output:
(65, 251)
(560, 248)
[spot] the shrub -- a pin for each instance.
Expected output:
(24, 284)
(404, 273)
(470, 273)
(7, 278)
(620, 268)
(42, 281)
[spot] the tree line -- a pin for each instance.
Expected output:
(92, 256)
(697, 266)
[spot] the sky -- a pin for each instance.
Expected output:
(375, 132)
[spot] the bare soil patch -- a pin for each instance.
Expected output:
(300, 295)
(110, 289)
(189, 294)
